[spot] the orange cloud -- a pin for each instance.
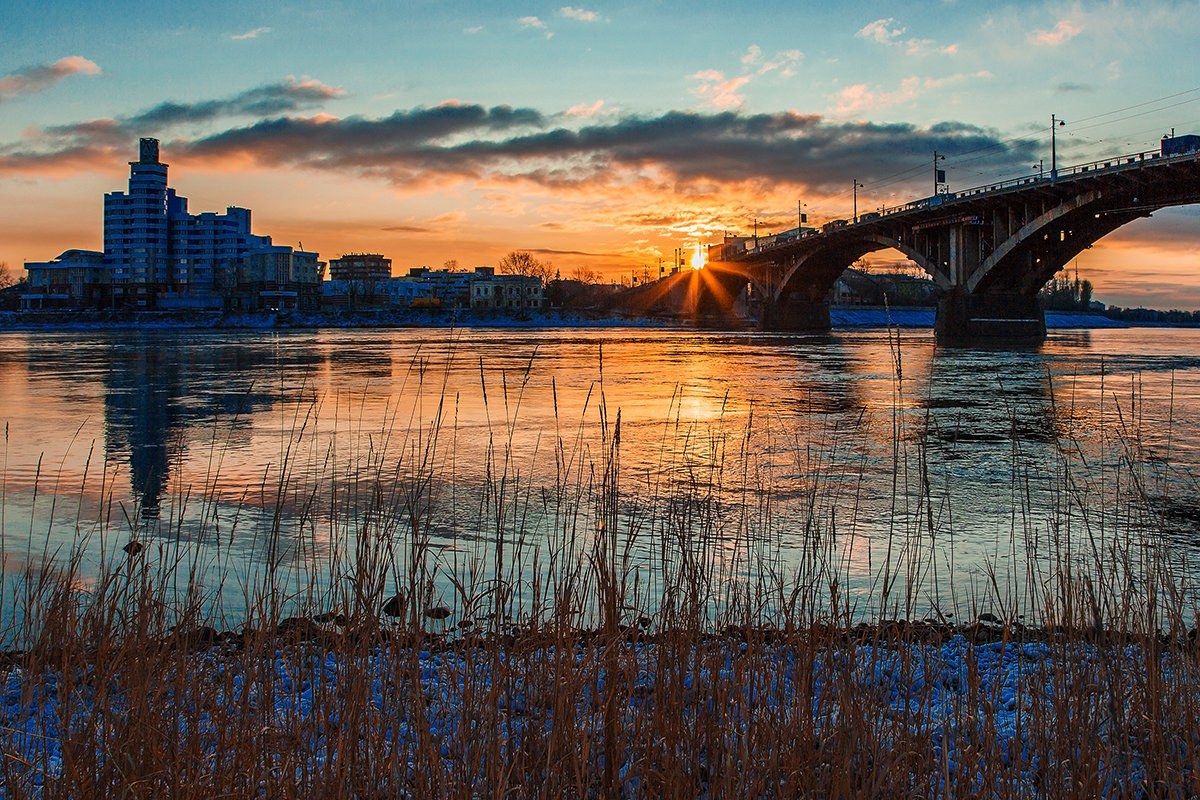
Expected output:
(717, 91)
(1065, 29)
(39, 78)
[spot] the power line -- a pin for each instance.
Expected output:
(1139, 105)
(969, 156)
(1076, 127)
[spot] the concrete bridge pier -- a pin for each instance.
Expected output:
(1009, 317)
(795, 315)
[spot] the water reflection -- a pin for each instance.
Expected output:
(142, 416)
(860, 445)
(160, 388)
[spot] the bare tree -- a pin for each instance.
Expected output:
(522, 262)
(450, 265)
(586, 275)
(6, 277)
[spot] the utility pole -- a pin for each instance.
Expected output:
(857, 186)
(800, 217)
(939, 175)
(1055, 122)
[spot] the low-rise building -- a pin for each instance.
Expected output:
(74, 278)
(360, 267)
(279, 278)
(511, 294)
(357, 280)
(481, 290)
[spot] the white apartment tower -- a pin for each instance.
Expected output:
(158, 253)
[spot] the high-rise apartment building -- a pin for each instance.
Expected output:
(157, 255)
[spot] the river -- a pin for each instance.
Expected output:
(895, 474)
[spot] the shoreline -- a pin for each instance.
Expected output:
(816, 714)
(350, 638)
(843, 318)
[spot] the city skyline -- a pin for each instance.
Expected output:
(600, 137)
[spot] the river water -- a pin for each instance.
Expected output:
(891, 474)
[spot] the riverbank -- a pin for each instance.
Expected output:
(417, 318)
(923, 318)
(841, 318)
(895, 709)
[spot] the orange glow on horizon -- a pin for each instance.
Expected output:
(433, 219)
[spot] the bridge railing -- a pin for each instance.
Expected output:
(1099, 166)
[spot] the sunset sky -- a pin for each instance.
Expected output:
(600, 136)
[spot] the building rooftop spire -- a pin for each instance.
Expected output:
(147, 151)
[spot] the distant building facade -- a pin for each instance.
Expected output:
(76, 277)
(422, 287)
(159, 256)
(358, 280)
(512, 294)
(360, 267)
(278, 278)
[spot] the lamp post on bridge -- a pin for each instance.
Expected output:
(857, 186)
(1055, 122)
(939, 175)
(1040, 167)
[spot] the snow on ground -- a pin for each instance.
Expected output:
(929, 686)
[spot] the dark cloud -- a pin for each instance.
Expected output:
(269, 100)
(42, 76)
(542, 251)
(694, 149)
(262, 101)
(397, 145)
(406, 229)
(1065, 88)
(690, 153)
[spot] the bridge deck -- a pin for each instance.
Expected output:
(1064, 182)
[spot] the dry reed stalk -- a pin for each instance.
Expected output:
(578, 676)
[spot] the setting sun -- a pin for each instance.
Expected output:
(698, 259)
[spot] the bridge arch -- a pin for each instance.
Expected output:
(1027, 259)
(940, 277)
(813, 274)
(989, 250)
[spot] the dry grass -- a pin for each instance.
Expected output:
(605, 635)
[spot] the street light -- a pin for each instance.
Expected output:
(1040, 167)
(939, 175)
(1055, 122)
(857, 186)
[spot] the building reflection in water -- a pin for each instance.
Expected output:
(158, 391)
(142, 416)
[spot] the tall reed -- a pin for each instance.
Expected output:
(589, 630)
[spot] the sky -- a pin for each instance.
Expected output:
(600, 137)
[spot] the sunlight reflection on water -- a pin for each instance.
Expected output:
(953, 459)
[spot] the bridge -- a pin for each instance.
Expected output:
(989, 250)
